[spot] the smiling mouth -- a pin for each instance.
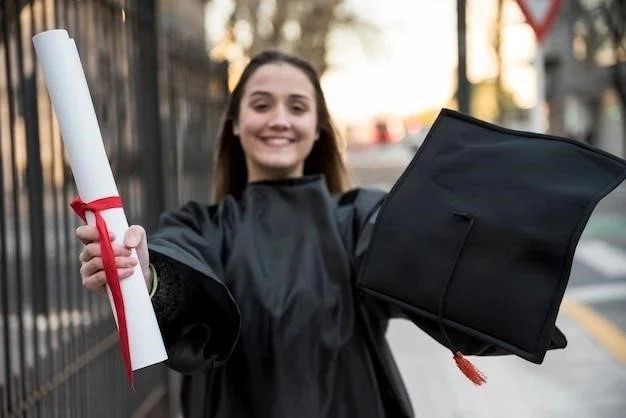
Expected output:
(277, 141)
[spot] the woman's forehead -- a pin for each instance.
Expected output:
(280, 79)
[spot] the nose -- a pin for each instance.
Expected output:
(280, 118)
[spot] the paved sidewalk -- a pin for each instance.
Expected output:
(582, 381)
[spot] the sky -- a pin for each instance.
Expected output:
(410, 66)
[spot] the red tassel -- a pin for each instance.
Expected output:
(469, 370)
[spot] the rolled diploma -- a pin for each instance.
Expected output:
(71, 100)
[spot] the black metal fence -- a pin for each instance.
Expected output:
(158, 99)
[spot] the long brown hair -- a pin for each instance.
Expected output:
(231, 175)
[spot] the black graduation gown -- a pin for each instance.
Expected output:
(258, 306)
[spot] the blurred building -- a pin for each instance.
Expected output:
(581, 77)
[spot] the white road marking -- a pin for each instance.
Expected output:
(602, 257)
(594, 293)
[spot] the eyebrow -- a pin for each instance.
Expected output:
(267, 93)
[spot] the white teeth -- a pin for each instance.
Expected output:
(277, 142)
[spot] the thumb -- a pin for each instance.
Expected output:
(134, 236)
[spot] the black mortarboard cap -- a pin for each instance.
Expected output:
(479, 233)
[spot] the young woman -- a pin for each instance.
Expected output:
(255, 294)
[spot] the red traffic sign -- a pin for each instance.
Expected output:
(540, 14)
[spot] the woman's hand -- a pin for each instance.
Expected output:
(92, 269)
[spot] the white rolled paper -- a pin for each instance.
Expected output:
(67, 86)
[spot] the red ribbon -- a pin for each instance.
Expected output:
(110, 270)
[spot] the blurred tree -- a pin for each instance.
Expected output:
(603, 25)
(491, 102)
(297, 26)
(497, 46)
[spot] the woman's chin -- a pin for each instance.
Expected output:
(277, 169)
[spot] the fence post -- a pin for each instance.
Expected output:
(147, 111)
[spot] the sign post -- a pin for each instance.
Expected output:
(540, 15)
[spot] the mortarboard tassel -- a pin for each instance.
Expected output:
(467, 367)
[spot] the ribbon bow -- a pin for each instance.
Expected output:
(110, 270)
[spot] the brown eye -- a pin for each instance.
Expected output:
(260, 106)
(298, 108)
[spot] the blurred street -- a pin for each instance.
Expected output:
(586, 380)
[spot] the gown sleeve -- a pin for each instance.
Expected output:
(366, 209)
(198, 316)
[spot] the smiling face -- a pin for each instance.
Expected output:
(277, 123)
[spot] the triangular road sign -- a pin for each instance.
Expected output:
(540, 14)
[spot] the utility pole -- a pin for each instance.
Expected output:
(463, 88)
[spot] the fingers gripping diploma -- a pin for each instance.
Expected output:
(125, 259)
(135, 240)
(134, 252)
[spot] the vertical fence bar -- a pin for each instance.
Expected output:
(91, 375)
(128, 179)
(43, 352)
(88, 44)
(54, 239)
(39, 238)
(80, 404)
(147, 110)
(74, 290)
(58, 170)
(175, 155)
(124, 56)
(35, 291)
(16, 331)
(53, 247)
(6, 391)
(64, 353)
